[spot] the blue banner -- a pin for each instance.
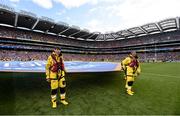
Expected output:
(71, 66)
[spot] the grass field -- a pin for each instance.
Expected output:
(157, 91)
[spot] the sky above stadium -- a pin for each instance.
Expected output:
(100, 15)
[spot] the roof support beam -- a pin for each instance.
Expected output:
(16, 19)
(75, 33)
(84, 35)
(159, 27)
(131, 32)
(112, 36)
(90, 36)
(177, 23)
(64, 31)
(143, 30)
(121, 35)
(35, 24)
(105, 37)
(96, 38)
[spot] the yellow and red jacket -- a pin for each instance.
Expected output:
(55, 67)
(131, 66)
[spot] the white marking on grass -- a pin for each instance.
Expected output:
(6, 65)
(155, 74)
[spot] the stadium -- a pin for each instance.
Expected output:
(94, 76)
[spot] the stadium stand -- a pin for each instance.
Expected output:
(24, 36)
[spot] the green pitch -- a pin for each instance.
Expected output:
(157, 91)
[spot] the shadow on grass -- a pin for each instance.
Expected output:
(29, 93)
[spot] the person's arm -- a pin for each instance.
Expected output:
(125, 62)
(62, 67)
(138, 68)
(48, 65)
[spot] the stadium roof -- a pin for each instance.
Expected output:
(28, 20)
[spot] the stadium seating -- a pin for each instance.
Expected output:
(36, 38)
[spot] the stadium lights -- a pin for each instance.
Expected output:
(28, 13)
(7, 8)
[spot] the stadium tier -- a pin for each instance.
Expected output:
(24, 36)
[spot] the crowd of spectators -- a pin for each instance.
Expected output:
(13, 55)
(30, 46)
(13, 33)
(17, 46)
(23, 34)
(162, 57)
(8, 55)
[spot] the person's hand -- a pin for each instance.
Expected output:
(48, 79)
(62, 73)
(138, 73)
(123, 67)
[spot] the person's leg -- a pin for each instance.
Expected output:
(129, 84)
(62, 88)
(54, 89)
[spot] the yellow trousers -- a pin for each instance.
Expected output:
(55, 85)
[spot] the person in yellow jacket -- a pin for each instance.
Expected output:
(132, 69)
(55, 75)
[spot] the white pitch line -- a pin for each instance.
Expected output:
(161, 75)
(6, 65)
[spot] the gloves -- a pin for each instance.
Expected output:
(138, 73)
(123, 68)
(48, 79)
(62, 73)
